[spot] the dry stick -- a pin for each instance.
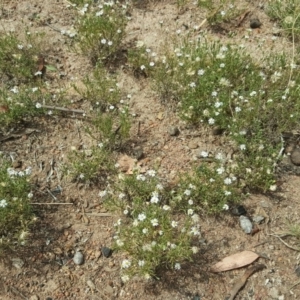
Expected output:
(281, 240)
(52, 203)
(241, 282)
(78, 111)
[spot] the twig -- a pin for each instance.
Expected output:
(52, 203)
(99, 214)
(294, 284)
(242, 280)
(281, 240)
(78, 111)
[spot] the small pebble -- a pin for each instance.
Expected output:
(138, 153)
(107, 252)
(258, 219)
(173, 131)
(255, 23)
(246, 224)
(238, 210)
(295, 157)
(78, 258)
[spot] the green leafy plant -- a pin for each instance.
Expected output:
(20, 104)
(15, 209)
(101, 30)
(151, 233)
(19, 59)
(288, 14)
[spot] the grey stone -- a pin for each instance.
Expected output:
(255, 23)
(173, 130)
(258, 219)
(78, 258)
(295, 157)
(246, 224)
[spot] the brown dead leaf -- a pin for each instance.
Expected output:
(126, 164)
(235, 261)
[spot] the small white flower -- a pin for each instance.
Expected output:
(214, 94)
(220, 170)
(187, 192)
(190, 202)
(159, 187)
(273, 188)
(135, 223)
(140, 177)
(219, 156)
(151, 173)
(223, 13)
(154, 198)
(109, 43)
(145, 230)
(200, 72)
(154, 222)
(20, 47)
(166, 207)
(120, 243)
(243, 147)
(143, 67)
(11, 172)
(38, 105)
(227, 181)
(151, 64)
(15, 90)
(141, 263)
(253, 93)
(50, 112)
(102, 194)
(225, 207)
(173, 246)
(28, 170)
(174, 224)
(121, 196)
(195, 218)
(227, 193)
(125, 212)
(211, 180)
(211, 121)
(222, 65)
(238, 109)
(103, 41)
(3, 203)
(99, 13)
(192, 186)
(195, 231)
(126, 264)
(177, 266)
(21, 173)
(141, 217)
(218, 104)
(125, 278)
(204, 154)
(195, 250)
(190, 212)
(192, 84)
